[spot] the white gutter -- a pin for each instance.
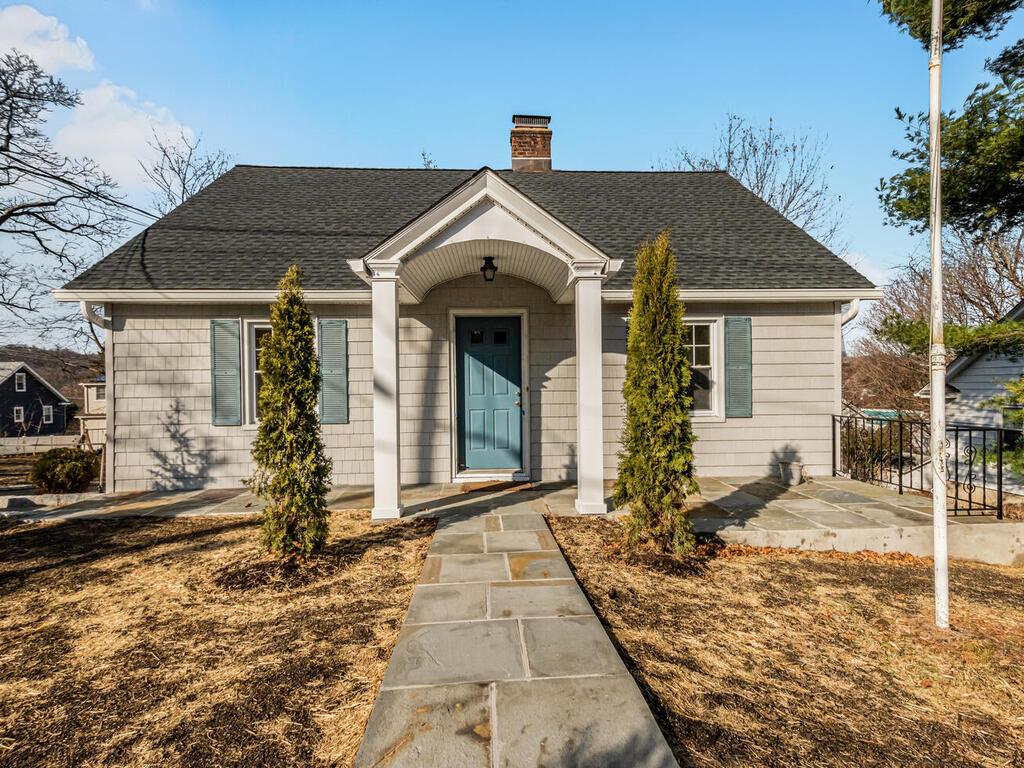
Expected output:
(851, 312)
(362, 296)
(138, 296)
(760, 295)
(89, 313)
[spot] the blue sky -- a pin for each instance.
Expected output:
(373, 84)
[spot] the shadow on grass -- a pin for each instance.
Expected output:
(82, 543)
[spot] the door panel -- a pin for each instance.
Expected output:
(489, 392)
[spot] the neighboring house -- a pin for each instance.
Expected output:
(471, 323)
(92, 420)
(28, 404)
(973, 380)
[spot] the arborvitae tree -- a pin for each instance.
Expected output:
(656, 461)
(292, 473)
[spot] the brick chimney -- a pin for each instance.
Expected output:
(531, 143)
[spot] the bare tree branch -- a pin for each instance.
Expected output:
(180, 170)
(57, 214)
(789, 172)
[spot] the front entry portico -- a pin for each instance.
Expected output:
(491, 423)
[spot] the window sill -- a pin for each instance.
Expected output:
(706, 417)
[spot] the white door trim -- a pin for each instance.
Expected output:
(523, 474)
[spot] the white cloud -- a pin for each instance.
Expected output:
(114, 127)
(863, 264)
(43, 38)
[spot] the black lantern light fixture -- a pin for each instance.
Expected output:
(488, 269)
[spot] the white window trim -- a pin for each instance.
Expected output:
(717, 337)
(47, 414)
(249, 327)
(20, 382)
(19, 414)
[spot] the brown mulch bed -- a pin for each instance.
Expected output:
(782, 658)
(177, 643)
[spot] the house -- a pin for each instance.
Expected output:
(29, 405)
(92, 420)
(471, 323)
(972, 381)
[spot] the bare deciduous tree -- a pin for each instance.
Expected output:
(180, 169)
(788, 171)
(56, 212)
(983, 278)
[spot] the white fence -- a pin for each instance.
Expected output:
(16, 446)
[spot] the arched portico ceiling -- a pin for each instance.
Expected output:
(448, 262)
(486, 217)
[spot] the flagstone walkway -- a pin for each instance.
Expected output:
(502, 662)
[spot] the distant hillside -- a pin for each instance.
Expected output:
(65, 369)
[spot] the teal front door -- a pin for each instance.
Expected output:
(489, 392)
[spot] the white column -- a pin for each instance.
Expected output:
(387, 454)
(589, 400)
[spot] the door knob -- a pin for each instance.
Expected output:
(519, 399)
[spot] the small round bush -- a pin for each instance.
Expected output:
(65, 470)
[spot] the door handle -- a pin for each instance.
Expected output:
(519, 399)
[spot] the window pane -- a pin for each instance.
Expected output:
(258, 340)
(101, 393)
(700, 388)
(476, 337)
(257, 383)
(702, 356)
(501, 337)
(700, 334)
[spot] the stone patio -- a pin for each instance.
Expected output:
(501, 661)
(847, 516)
(824, 514)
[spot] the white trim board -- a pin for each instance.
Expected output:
(617, 295)
(758, 294)
(218, 296)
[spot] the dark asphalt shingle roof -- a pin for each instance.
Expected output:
(245, 229)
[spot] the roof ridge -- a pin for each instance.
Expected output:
(348, 168)
(471, 170)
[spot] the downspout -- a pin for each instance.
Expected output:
(851, 312)
(89, 313)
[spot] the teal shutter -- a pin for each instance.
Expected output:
(738, 376)
(334, 371)
(226, 372)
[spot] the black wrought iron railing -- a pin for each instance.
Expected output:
(896, 453)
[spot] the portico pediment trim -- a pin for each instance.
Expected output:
(486, 189)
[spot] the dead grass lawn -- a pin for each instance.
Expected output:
(176, 643)
(778, 658)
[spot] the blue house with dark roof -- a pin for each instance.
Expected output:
(29, 405)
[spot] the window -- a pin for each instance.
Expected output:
(476, 336)
(47, 414)
(501, 337)
(19, 382)
(701, 356)
(19, 414)
(258, 333)
(101, 394)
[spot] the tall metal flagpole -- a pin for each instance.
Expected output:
(937, 349)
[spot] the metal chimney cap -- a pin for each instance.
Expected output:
(533, 121)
